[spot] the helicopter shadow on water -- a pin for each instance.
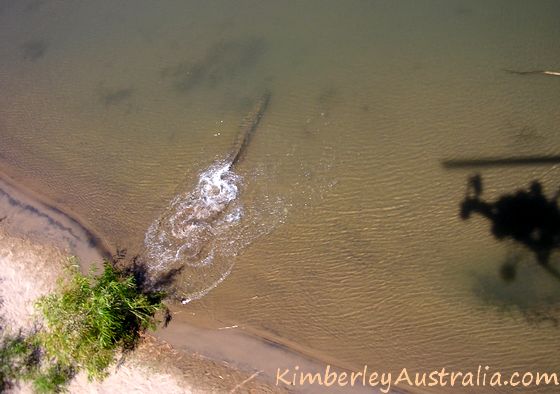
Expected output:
(527, 217)
(530, 222)
(532, 293)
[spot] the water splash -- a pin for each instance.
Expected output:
(203, 230)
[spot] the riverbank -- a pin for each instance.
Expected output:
(36, 239)
(192, 354)
(29, 270)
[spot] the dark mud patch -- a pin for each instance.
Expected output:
(224, 61)
(111, 97)
(34, 50)
(22, 215)
(34, 6)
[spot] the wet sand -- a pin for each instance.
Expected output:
(29, 270)
(194, 352)
(24, 213)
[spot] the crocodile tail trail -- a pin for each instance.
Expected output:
(248, 130)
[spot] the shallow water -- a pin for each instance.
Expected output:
(351, 244)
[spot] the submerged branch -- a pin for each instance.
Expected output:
(543, 72)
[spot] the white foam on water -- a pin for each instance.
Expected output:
(203, 230)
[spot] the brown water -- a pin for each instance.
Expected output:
(350, 244)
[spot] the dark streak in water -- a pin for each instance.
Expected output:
(224, 61)
(116, 96)
(29, 208)
(532, 72)
(34, 50)
(247, 133)
(34, 5)
(92, 240)
(501, 162)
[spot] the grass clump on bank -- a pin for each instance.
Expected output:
(88, 321)
(18, 359)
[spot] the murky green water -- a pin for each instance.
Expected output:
(356, 249)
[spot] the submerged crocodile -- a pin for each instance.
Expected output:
(190, 238)
(248, 128)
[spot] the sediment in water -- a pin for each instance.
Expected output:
(234, 353)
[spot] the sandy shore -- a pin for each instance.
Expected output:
(29, 270)
(35, 240)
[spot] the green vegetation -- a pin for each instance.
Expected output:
(18, 359)
(89, 320)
